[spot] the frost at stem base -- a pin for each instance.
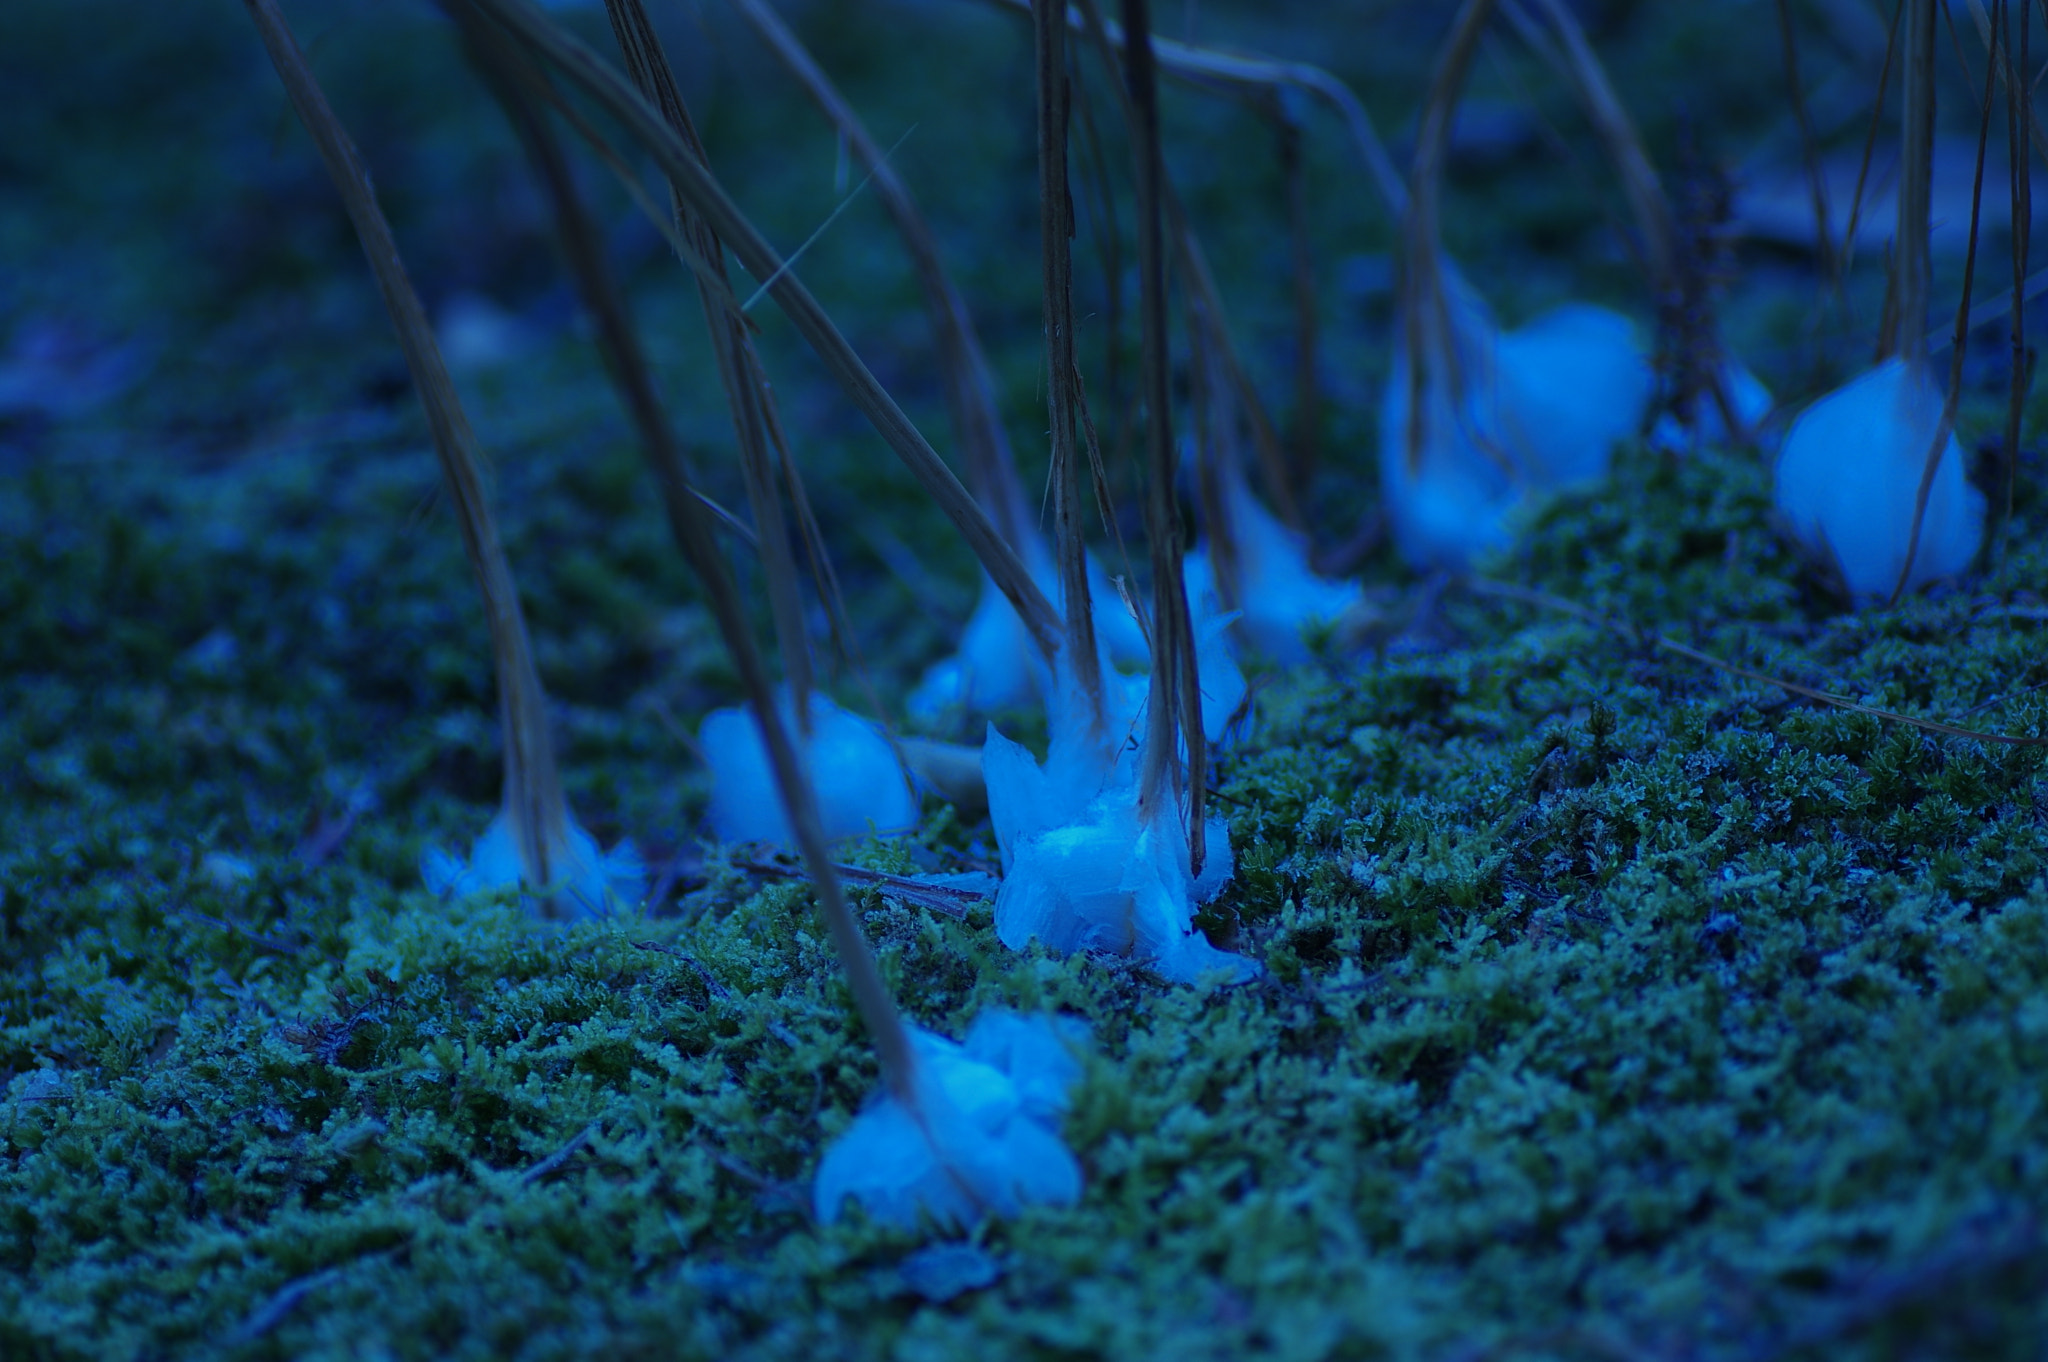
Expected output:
(1083, 869)
(989, 1143)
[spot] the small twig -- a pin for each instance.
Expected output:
(554, 1162)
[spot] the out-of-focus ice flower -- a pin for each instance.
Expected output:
(1850, 472)
(859, 782)
(587, 881)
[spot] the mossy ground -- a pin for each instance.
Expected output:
(1615, 1007)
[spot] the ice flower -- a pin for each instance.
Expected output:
(860, 783)
(1505, 415)
(1278, 594)
(988, 1140)
(997, 665)
(1849, 474)
(1083, 869)
(586, 881)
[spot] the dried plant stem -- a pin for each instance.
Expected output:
(1583, 70)
(2022, 230)
(1205, 301)
(534, 804)
(695, 183)
(1205, 66)
(695, 535)
(1939, 445)
(1056, 230)
(970, 391)
(1847, 254)
(1423, 309)
(1908, 296)
(1174, 699)
(747, 394)
(1809, 148)
(2002, 63)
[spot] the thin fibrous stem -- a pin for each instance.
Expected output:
(704, 193)
(1306, 444)
(739, 367)
(1847, 255)
(695, 537)
(1908, 301)
(1174, 698)
(1939, 444)
(1809, 148)
(1617, 132)
(970, 391)
(533, 799)
(1423, 308)
(1056, 230)
(2022, 230)
(1199, 286)
(1204, 65)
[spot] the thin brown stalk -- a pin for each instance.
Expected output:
(1174, 698)
(1056, 230)
(1529, 596)
(1423, 308)
(2022, 231)
(1942, 428)
(695, 535)
(1203, 66)
(1809, 148)
(1617, 132)
(2023, 110)
(1908, 300)
(970, 391)
(1202, 294)
(1306, 444)
(747, 394)
(704, 193)
(533, 801)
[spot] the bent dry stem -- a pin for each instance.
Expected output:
(533, 800)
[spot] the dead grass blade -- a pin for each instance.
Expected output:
(695, 181)
(747, 394)
(1173, 703)
(1422, 307)
(970, 391)
(1055, 231)
(693, 530)
(1943, 427)
(1206, 66)
(534, 804)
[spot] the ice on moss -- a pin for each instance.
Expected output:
(590, 881)
(989, 1141)
(859, 782)
(1850, 471)
(1082, 870)
(1529, 411)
